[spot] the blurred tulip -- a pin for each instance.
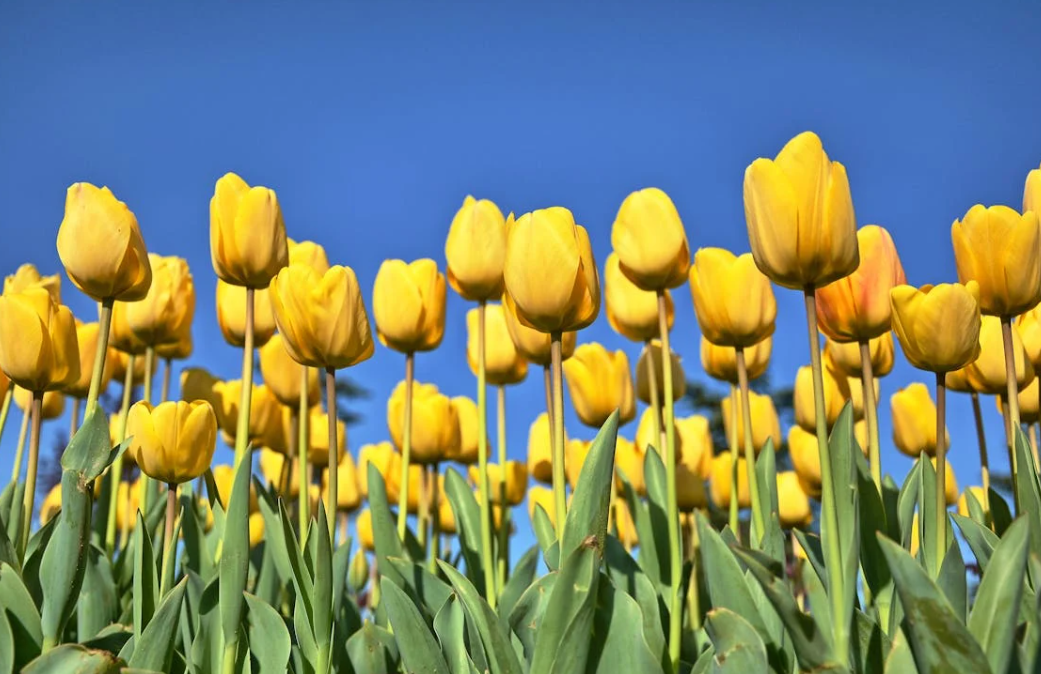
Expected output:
(532, 344)
(733, 301)
(415, 484)
(805, 456)
(308, 253)
(358, 571)
(256, 530)
(987, 373)
(265, 412)
(856, 396)
(348, 498)
(1032, 192)
(179, 350)
(173, 442)
(628, 460)
(540, 461)
(282, 374)
(963, 502)
(958, 380)
(476, 250)
(408, 305)
(1029, 328)
(51, 505)
(381, 455)
(198, 384)
(653, 352)
(650, 240)
(793, 503)
(128, 501)
(469, 432)
(516, 482)
(319, 438)
(100, 245)
(914, 420)
(720, 484)
(552, 282)
(231, 314)
(53, 403)
(120, 336)
(38, 346)
(632, 311)
(694, 444)
(856, 308)
(765, 423)
(599, 382)
(121, 361)
(167, 310)
(322, 318)
(363, 526)
(624, 524)
(224, 477)
(5, 384)
(87, 344)
(860, 434)
(435, 423)
(503, 365)
(575, 453)
(1028, 403)
(543, 497)
(950, 483)
(938, 326)
(247, 234)
(27, 276)
(836, 393)
(997, 247)
(720, 362)
(800, 216)
(271, 463)
(645, 434)
(445, 516)
(845, 356)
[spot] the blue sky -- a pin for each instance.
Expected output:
(374, 120)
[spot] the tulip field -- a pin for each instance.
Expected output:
(660, 555)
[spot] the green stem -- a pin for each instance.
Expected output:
(758, 518)
(74, 417)
(116, 470)
(149, 487)
(334, 454)
(104, 329)
(981, 440)
(941, 470)
(675, 565)
(30, 471)
(168, 542)
(303, 453)
(5, 409)
(242, 428)
(406, 445)
(230, 656)
(435, 521)
(16, 472)
(735, 507)
(504, 525)
(482, 461)
(652, 386)
(1012, 397)
(165, 391)
(867, 379)
(559, 476)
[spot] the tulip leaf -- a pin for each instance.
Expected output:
(869, 644)
(872, 519)
(738, 645)
(526, 617)
(655, 478)
(521, 577)
(146, 582)
(450, 627)
(341, 564)
(234, 561)
(496, 642)
(298, 571)
(1028, 490)
(98, 604)
(420, 651)
(927, 519)
(1000, 514)
(74, 658)
(616, 646)
(208, 645)
(546, 536)
(906, 502)
(951, 580)
(995, 613)
(269, 642)
(562, 642)
(628, 577)
(7, 552)
(64, 559)
(847, 505)
(591, 499)
(373, 650)
(154, 648)
(90, 450)
(468, 523)
(723, 576)
(424, 588)
(981, 540)
(976, 510)
(323, 582)
(651, 551)
(7, 645)
(766, 474)
(195, 555)
(21, 615)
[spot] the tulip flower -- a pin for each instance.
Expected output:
(646, 436)
(231, 314)
(319, 452)
(516, 482)
(381, 455)
(978, 493)
(690, 485)
(836, 393)
(600, 382)
(540, 460)
(53, 405)
(272, 464)
(695, 454)
(247, 234)
(651, 357)
(650, 240)
(198, 384)
(543, 498)
(938, 326)
(308, 253)
(1029, 328)
(435, 422)
(51, 505)
(348, 498)
(733, 301)
(466, 412)
(476, 250)
(38, 345)
(631, 311)
(765, 423)
(27, 276)
(805, 456)
(408, 305)
(363, 527)
(914, 421)
(1032, 191)
(396, 489)
(167, 310)
(1028, 403)
(223, 477)
(265, 412)
(720, 362)
(121, 337)
(845, 356)
(720, 484)
(987, 373)
(534, 345)
(575, 452)
(856, 397)
(87, 343)
(173, 442)
(628, 461)
(793, 503)
(503, 363)
(283, 375)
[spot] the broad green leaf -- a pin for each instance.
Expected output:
(628, 577)
(424, 588)
(951, 582)
(468, 524)
(208, 645)
(766, 474)
(154, 649)
(90, 451)
(546, 536)
(305, 638)
(420, 651)
(650, 550)
(569, 612)
(996, 610)
(927, 528)
(526, 617)
(847, 504)
(811, 545)
(323, 582)
(657, 515)
(872, 519)
(725, 580)
(521, 577)
(7, 645)
(1000, 513)
(8, 555)
(64, 559)
(373, 650)
(234, 560)
(450, 627)
(341, 563)
(591, 499)
(74, 659)
(496, 642)
(112, 639)
(616, 646)
(869, 643)
(98, 605)
(976, 510)
(196, 555)
(900, 658)
(22, 616)
(146, 582)
(302, 579)
(1028, 489)
(738, 646)
(981, 540)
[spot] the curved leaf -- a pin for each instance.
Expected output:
(497, 646)
(154, 649)
(22, 616)
(996, 612)
(420, 651)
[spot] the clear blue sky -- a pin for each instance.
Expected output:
(373, 120)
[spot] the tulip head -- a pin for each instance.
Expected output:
(283, 375)
(199, 384)
(231, 314)
(121, 363)
(516, 482)
(540, 455)
(87, 344)
(247, 234)
(310, 254)
(26, 276)
(179, 350)
(224, 478)
(836, 393)
(845, 356)
(720, 362)
(363, 527)
(651, 357)
(695, 445)
(435, 423)
(347, 497)
(914, 421)
(986, 374)
(408, 304)
(469, 431)
(120, 336)
(476, 250)
(575, 453)
(1032, 192)
(1029, 328)
(542, 497)
(173, 442)
(722, 481)
(645, 438)
(631, 310)
(650, 240)
(167, 309)
(53, 404)
(628, 461)
(319, 452)
(265, 413)
(733, 301)
(805, 454)
(51, 505)
(382, 456)
(532, 344)
(599, 383)
(793, 503)
(1029, 412)
(765, 423)
(503, 364)
(39, 350)
(938, 326)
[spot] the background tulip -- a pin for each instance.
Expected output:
(722, 480)
(793, 503)
(650, 240)
(733, 301)
(844, 357)
(600, 382)
(469, 431)
(198, 384)
(51, 505)
(503, 364)
(628, 460)
(38, 346)
(532, 344)
(319, 441)
(543, 498)
(167, 310)
(308, 253)
(347, 497)
(435, 422)
(247, 235)
(265, 412)
(694, 444)
(271, 466)
(1032, 192)
(223, 477)
(575, 453)
(540, 462)
(987, 373)
(121, 361)
(765, 423)
(282, 374)
(173, 442)
(380, 455)
(720, 362)
(27, 276)
(690, 485)
(516, 476)
(363, 526)
(645, 434)
(938, 326)
(179, 350)
(1029, 328)
(476, 250)
(120, 336)
(805, 456)
(652, 352)
(1029, 412)
(408, 305)
(631, 311)
(53, 403)
(950, 482)
(87, 343)
(231, 314)
(415, 484)
(836, 393)
(914, 420)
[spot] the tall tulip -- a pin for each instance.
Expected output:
(87, 335)
(540, 450)
(720, 362)
(282, 375)
(765, 423)
(793, 501)
(27, 276)
(469, 428)
(600, 382)
(632, 311)
(435, 422)
(915, 424)
(988, 373)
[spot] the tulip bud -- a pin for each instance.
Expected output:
(540, 455)
(120, 336)
(856, 308)
(986, 374)
(282, 374)
(695, 453)
(914, 421)
(628, 461)
(271, 465)
(516, 482)
(805, 455)
(836, 393)
(51, 505)
(543, 498)
(997, 247)
(347, 497)
(100, 245)
(599, 383)
(53, 403)
(651, 356)
(632, 311)
(476, 250)
(469, 432)
(224, 478)
(408, 304)
(533, 345)
(650, 240)
(87, 343)
(734, 302)
(575, 452)
(845, 356)
(247, 234)
(322, 318)
(166, 312)
(720, 362)
(722, 481)
(645, 434)
(27, 276)
(38, 346)
(319, 450)
(310, 254)
(265, 412)
(173, 442)
(503, 365)
(435, 423)
(938, 326)
(765, 423)
(416, 482)
(231, 314)
(179, 350)
(363, 525)
(793, 503)
(552, 282)
(358, 571)
(380, 455)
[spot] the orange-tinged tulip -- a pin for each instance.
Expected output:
(914, 420)
(938, 326)
(174, 441)
(1029, 328)
(121, 361)
(382, 456)
(347, 497)
(631, 310)
(628, 461)
(963, 501)
(721, 481)
(27, 276)
(435, 423)
(806, 460)
(856, 308)
(542, 497)
(800, 216)
(476, 250)
(231, 314)
(503, 364)
(733, 301)
(845, 356)
(532, 344)
(997, 247)
(53, 403)
(650, 240)
(120, 336)
(540, 458)
(166, 312)
(322, 318)
(645, 434)
(5, 384)
(599, 382)
(38, 346)
(224, 477)
(282, 374)
(100, 245)
(765, 423)
(408, 305)
(836, 393)
(247, 234)
(516, 482)
(87, 343)
(651, 356)
(793, 503)
(986, 374)
(575, 453)
(265, 412)
(469, 431)
(308, 253)
(363, 525)
(319, 438)
(551, 277)
(720, 362)
(51, 504)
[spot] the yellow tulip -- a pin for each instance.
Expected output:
(1028, 403)
(575, 453)
(247, 234)
(100, 245)
(179, 350)
(959, 381)
(363, 525)
(950, 483)
(231, 314)
(624, 524)
(845, 356)
(416, 484)
(265, 412)
(540, 458)
(836, 393)
(476, 250)
(469, 433)
(38, 346)
(765, 423)
(27, 276)
(128, 500)
(806, 460)
(599, 382)
(347, 497)
(551, 277)
(174, 441)
(408, 304)
(543, 498)
(256, 530)
(856, 308)
(166, 312)
(856, 396)
(308, 253)
(733, 301)
(652, 353)
(382, 456)
(800, 216)
(645, 434)
(793, 503)
(650, 240)
(53, 403)
(224, 477)
(632, 311)
(120, 336)
(121, 360)
(282, 374)
(271, 466)
(1029, 328)
(516, 482)
(87, 343)
(721, 482)
(51, 504)
(914, 421)
(628, 461)
(503, 365)
(938, 326)
(997, 247)
(5, 384)
(319, 438)
(695, 459)
(198, 384)
(963, 502)
(322, 318)
(532, 344)
(720, 362)
(435, 423)
(986, 374)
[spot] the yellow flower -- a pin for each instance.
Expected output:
(950, 484)
(575, 453)
(632, 311)
(1032, 192)
(720, 362)
(87, 343)
(173, 442)
(282, 374)
(435, 423)
(271, 464)
(347, 497)
(476, 250)
(856, 396)
(51, 504)
(645, 434)
(322, 318)
(363, 525)
(793, 503)
(914, 420)
(382, 456)
(179, 350)
(986, 374)
(469, 432)
(765, 423)
(599, 382)
(5, 384)
(845, 356)
(319, 438)
(308, 253)
(800, 215)
(1028, 403)
(624, 524)
(540, 457)
(247, 235)
(265, 412)
(649, 238)
(416, 475)
(651, 356)
(997, 247)
(503, 365)
(938, 326)
(532, 344)
(694, 461)
(53, 403)
(128, 500)
(120, 336)
(1029, 328)
(959, 381)
(963, 502)
(516, 482)
(27, 276)
(733, 301)
(836, 393)
(806, 460)
(256, 529)
(628, 460)
(38, 346)
(166, 312)
(231, 314)
(224, 477)
(198, 384)
(856, 308)
(721, 482)
(408, 304)
(551, 278)
(100, 245)
(542, 497)
(121, 361)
